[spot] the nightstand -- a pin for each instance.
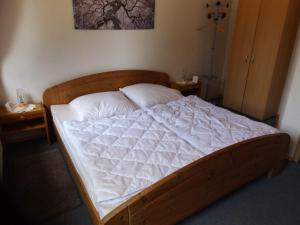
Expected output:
(187, 88)
(19, 127)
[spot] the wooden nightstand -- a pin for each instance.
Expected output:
(19, 127)
(188, 88)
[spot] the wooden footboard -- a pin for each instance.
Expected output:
(201, 183)
(195, 186)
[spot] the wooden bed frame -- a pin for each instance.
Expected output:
(189, 189)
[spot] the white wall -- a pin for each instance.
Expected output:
(41, 48)
(230, 31)
(290, 103)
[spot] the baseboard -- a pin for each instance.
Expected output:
(292, 159)
(289, 158)
(297, 153)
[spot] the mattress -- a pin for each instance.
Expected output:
(61, 114)
(125, 154)
(120, 156)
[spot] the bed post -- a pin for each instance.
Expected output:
(280, 156)
(119, 217)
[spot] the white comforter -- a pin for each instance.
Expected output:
(125, 154)
(206, 126)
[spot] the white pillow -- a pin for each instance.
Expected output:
(103, 104)
(147, 95)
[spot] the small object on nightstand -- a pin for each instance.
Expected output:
(195, 79)
(19, 108)
(20, 95)
(187, 87)
(19, 127)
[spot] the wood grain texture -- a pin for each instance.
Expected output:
(258, 91)
(7, 117)
(46, 121)
(199, 184)
(19, 127)
(191, 188)
(271, 54)
(285, 51)
(107, 81)
(242, 44)
(189, 88)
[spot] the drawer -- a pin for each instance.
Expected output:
(25, 136)
(15, 118)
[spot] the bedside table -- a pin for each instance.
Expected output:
(19, 127)
(188, 88)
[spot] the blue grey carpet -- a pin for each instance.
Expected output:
(273, 201)
(265, 201)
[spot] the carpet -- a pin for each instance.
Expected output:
(44, 188)
(265, 201)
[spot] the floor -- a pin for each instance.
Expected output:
(265, 201)
(273, 201)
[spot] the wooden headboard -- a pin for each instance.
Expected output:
(101, 82)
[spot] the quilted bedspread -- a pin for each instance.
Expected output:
(206, 126)
(125, 154)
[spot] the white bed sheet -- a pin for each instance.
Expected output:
(61, 114)
(142, 152)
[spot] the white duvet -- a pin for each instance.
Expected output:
(206, 126)
(125, 154)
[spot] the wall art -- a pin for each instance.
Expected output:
(114, 14)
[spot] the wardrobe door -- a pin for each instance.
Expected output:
(242, 45)
(263, 60)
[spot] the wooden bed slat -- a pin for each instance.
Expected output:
(101, 82)
(205, 181)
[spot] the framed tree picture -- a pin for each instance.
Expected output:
(114, 14)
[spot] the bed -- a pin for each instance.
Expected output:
(181, 192)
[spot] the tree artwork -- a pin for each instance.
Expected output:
(114, 14)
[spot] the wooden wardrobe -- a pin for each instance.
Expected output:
(262, 46)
